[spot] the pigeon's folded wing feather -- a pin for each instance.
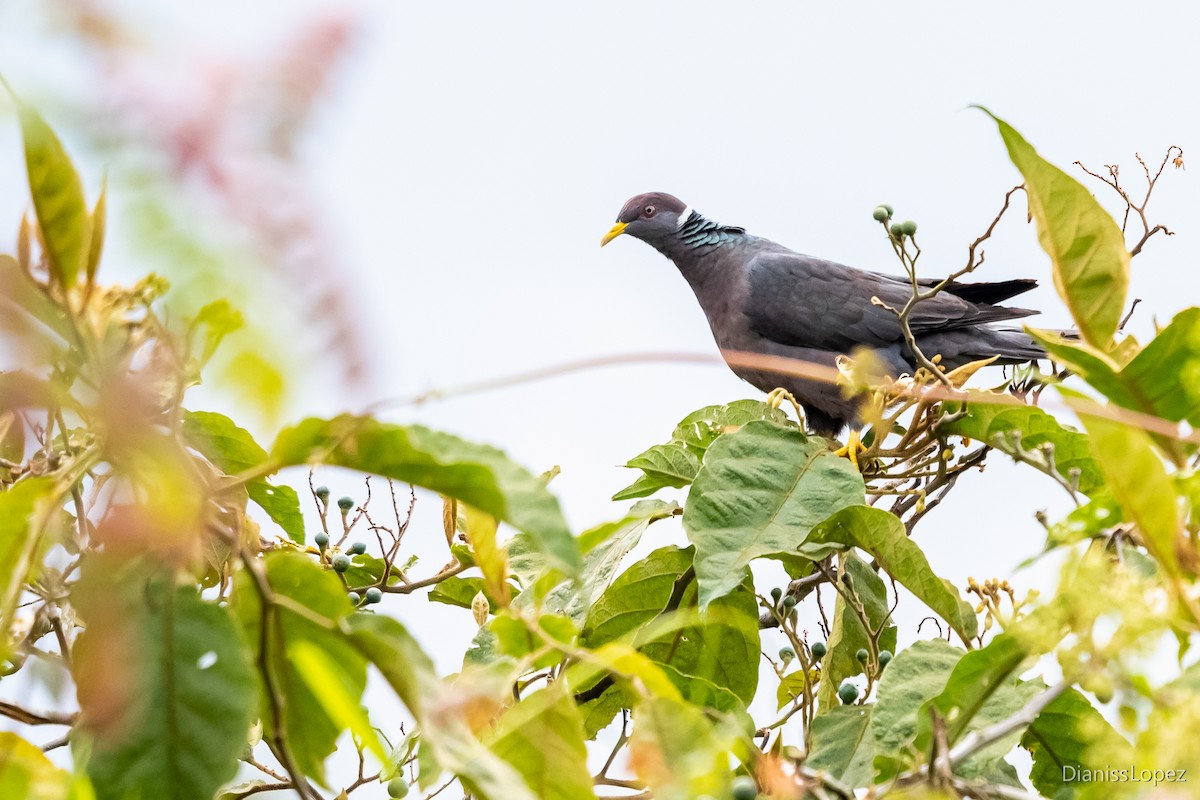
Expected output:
(809, 302)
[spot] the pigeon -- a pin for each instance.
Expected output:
(760, 297)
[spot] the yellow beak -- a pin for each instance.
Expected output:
(614, 232)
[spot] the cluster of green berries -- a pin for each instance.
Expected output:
(343, 503)
(372, 596)
(883, 213)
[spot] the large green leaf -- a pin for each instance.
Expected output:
(165, 683)
(542, 738)
(977, 677)
(843, 745)
(1165, 375)
(1070, 734)
(915, 676)
(57, 197)
(476, 474)
(310, 730)
(1001, 425)
(1086, 248)
(22, 511)
(759, 493)
(233, 450)
(847, 635)
(18, 288)
(721, 647)
(26, 773)
(388, 645)
(882, 535)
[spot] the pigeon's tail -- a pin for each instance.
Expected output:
(958, 347)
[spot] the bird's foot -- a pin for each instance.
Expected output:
(852, 449)
(777, 397)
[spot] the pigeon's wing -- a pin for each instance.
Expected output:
(809, 302)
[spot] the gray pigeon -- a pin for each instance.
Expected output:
(761, 297)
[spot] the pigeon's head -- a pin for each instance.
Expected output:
(651, 217)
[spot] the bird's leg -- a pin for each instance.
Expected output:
(776, 397)
(852, 448)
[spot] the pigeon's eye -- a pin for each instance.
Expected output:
(648, 211)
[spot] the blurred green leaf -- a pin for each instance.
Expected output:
(338, 692)
(1029, 428)
(313, 734)
(760, 492)
(57, 197)
(234, 450)
(1138, 481)
(848, 635)
(492, 560)
(168, 713)
(1070, 732)
(1086, 248)
(843, 744)
(882, 535)
(542, 738)
(388, 645)
(22, 511)
(679, 752)
(214, 322)
(99, 223)
(477, 475)
(26, 773)
(19, 289)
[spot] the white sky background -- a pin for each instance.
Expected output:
(472, 155)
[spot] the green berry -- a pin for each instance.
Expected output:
(323, 493)
(341, 562)
(880, 213)
(887, 208)
(789, 601)
(397, 787)
(908, 227)
(884, 657)
(321, 540)
(898, 230)
(374, 595)
(345, 503)
(744, 788)
(354, 598)
(786, 654)
(358, 548)
(818, 649)
(776, 593)
(862, 655)
(848, 693)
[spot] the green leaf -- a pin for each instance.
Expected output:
(99, 222)
(233, 450)
(882, 535)
(605, 546)
(215, 321)
(23, 510)
(760, 492)
(915, 676)
(665, 465)
(1138, 481)
(18, 288)
(311, 731)
(456, 591)
(477, 475)
(165, 683)
(337, 691)
(977, 677)
(1071, 733)
(1086, 248)
(675, 463)
(721, 647)
(792, 687)
(388, 645)
(1001, 425)
(1165, 375)
(26, 773)
(843, 745)
(492, 560)
(57, 198)
(848, 635)
(542, 738)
